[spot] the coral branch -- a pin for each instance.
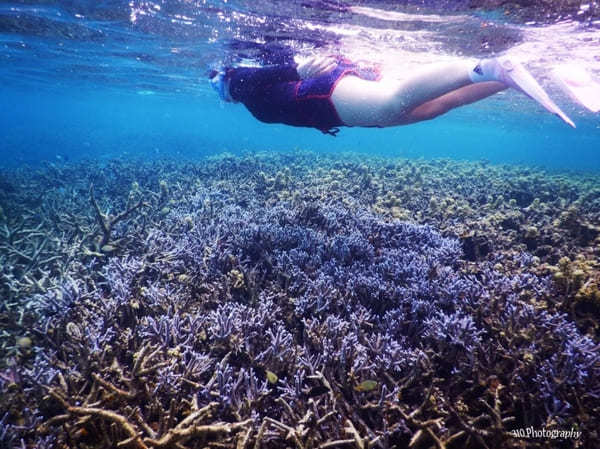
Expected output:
(134, 437)
(107, 223)
(175, 435)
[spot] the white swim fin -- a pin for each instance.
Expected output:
(516, 76)
(579, 85)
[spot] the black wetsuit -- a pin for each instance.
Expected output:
(278, 95)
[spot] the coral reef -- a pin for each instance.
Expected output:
(297, 301)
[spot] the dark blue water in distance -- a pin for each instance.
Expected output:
(102, 79)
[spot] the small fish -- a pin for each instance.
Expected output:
(367, 385)
(272, 377)
(24, 343)
(108, 248)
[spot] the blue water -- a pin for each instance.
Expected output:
(112, 79)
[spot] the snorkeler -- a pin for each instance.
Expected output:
(327, 93)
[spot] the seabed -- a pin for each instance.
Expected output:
(298, 301)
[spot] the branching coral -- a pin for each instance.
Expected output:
(237, 315)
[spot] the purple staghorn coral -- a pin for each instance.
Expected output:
(329, 303)
(7, 433)
(299, 322)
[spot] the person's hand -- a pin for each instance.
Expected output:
(314, 67)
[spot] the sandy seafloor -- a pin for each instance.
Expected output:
(298, 300)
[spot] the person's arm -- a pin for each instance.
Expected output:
(314, 67)
(243, 80)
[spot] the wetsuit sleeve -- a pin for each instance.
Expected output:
(244, 80)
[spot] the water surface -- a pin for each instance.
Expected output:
(101, 79)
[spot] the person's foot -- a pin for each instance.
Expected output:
(516, 76)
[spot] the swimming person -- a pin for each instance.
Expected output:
(327, 93)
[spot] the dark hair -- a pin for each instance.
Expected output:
(212, 73)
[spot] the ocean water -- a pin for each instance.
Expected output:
(174, 273)
(82, 79)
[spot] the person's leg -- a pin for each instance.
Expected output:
(383, 103)
(456, 98)
(360, 102)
